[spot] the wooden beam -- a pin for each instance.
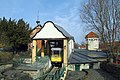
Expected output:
(34, 51)
(65, 54)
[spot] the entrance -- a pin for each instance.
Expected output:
(56, 52)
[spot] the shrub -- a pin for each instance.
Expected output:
(26, 54)
(16, 57)
(5, 57)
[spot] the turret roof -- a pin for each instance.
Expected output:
(91, 35)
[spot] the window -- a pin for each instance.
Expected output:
(91, 39)
(95, 39)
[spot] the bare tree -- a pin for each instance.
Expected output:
(104, 17)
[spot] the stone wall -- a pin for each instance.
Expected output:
(113, 69)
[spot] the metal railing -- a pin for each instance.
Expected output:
(48, 76)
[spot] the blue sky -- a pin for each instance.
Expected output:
(65, 13)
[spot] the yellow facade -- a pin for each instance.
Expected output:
(34, 51)
(65, 56)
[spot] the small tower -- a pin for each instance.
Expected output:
(92, 41)
(38, 27)
(38, 22)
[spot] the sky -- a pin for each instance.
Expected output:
(65, 13)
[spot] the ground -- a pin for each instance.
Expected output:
(91, 75)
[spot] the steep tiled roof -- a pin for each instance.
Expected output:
(91, 35)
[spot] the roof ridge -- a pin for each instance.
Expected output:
(91, 35)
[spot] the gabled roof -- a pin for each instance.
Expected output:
(63, 31)
(52, 31)
(77, 58)
(80, 56)
(91, 35)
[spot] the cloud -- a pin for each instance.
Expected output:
(72, 24)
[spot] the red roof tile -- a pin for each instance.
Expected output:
(91, 35)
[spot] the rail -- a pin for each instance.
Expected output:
(55, 74)
(51, 75)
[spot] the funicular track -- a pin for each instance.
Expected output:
(55, 73)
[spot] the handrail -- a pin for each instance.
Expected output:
(55, 77)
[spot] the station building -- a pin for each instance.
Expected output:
(51, 36)
(89, 56)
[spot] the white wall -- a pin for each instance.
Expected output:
(49, 31)
(82, 66)
(93, 43)
(70, 47)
